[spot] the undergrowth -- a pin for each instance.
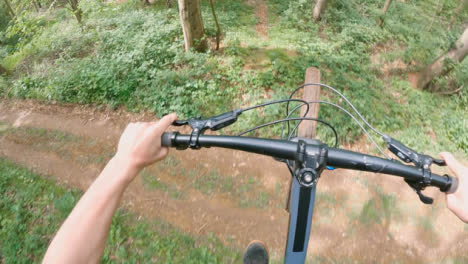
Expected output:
(32, 209)
(132, 55)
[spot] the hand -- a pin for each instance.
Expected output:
(140, 143)
(457, 202)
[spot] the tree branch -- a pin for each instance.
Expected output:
(456, 91)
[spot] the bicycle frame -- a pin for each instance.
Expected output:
(310, 158)
(301, 209)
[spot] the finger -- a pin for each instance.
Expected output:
(454, 206)
(167, 120)
(163, 123)
(452, 163)
(451, 200)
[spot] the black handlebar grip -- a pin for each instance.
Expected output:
(454, 186)
(166, 139)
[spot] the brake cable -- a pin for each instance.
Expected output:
(348, 113)
(406, 154)
(291, 119)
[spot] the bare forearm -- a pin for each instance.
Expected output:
(82, 237)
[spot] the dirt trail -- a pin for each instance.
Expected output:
(261, 12)
(415, 233)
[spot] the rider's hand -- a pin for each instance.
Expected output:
(457, 202)
(140, 143)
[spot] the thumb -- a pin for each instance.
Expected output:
(161, 125)
(167, 120)
(452, 163)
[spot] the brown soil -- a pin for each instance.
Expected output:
(261, 11)
(413, 78)
(387, 69)
(414, 233)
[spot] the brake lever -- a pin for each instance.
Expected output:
(408, 155)
(424, 199)
(199, 125)
(421, 161)
(418, 188)
(439, 162)
(180, 123)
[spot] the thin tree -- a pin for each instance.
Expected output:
(384, 11)
(439, 66)
(76, 10)
(218, 28)
(10, 9)
(318, 9)
(192, 24)
(2, 70)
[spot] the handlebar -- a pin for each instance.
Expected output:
(338, 158)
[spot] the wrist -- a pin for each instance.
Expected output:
(123, 169)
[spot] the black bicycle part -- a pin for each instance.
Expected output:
(408, 155)
(309, 164)
(199, 126)
(421, 161)
(337, 158)
(292, 119)
(340, 108)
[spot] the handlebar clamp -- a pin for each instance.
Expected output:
(309, 165)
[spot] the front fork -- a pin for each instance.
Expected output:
(309, 164)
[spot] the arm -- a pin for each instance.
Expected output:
(457, 202)
(82, 237)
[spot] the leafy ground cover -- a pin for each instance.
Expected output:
(32, 209)
(129, 54)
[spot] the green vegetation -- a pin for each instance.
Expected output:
(152, 182)
(247, 190)
(327, 204)
(32, 209)
(130, 54)
(379, 209)
(81, 149)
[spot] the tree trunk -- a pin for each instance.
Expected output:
(218, 28)
(192, 24)
(76, 10)
(435, 69)
(2, 70)
(461, 5)
(38, 3)
(10, 9)
(318, 9)
(384, 11)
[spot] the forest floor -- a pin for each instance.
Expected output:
(234, 195)
(261, 12)
(359, 217)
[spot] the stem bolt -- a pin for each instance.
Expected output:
(308, 178)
